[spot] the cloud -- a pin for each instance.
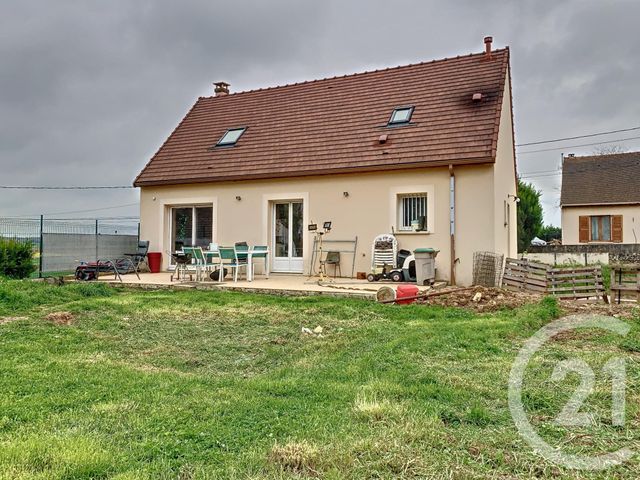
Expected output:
(89, 90)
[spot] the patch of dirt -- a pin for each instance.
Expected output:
(575, 335)
(484, 299)
(295, 457)
(60, 318)
(624, 310)
(5, 320)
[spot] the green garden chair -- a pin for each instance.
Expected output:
(200, 261)
(213, 260)
(229, 258)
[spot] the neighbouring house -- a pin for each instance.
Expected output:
(600, 199)
(371, 152)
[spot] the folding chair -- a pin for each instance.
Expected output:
(141, 254)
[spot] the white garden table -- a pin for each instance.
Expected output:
(264, 253)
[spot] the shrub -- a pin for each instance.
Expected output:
(16, 259)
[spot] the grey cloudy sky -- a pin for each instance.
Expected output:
(90, 89)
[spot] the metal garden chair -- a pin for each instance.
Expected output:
(141, 254)
(200, 261)
(229, 257)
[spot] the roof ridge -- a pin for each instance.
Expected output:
(355, 74)
(600, 155)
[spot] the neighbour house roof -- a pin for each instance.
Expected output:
(336, 125)
(601, 179)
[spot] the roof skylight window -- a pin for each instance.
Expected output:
(401, 115)
(230, 137)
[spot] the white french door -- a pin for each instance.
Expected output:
(287, 236)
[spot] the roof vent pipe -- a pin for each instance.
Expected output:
(221, 88)
(487, 47)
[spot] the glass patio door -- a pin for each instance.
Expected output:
(288, 231)
(191, 226)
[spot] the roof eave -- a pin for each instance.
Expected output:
(313, 173)
(598, 204)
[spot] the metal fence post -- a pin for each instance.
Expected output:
(41, 247)
(96, 240)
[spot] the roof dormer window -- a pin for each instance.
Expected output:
(401, 115)
(230, 137)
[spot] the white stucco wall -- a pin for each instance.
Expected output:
(368, 211)
(505, 188)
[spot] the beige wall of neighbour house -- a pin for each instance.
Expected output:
(369, 210)
(630, 221)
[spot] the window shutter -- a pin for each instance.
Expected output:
(583, 227)
(616, 228)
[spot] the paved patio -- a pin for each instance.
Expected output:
(279, 284)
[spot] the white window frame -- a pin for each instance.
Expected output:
(194, 217)
(164, 206)
(395, 207)
(413, 202)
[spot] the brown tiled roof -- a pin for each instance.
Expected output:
(601, 179)
(333, 125)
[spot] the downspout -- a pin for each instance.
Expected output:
(452, 223)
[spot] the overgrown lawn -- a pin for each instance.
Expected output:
(202, 384)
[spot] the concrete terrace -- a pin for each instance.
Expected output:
(278, 284)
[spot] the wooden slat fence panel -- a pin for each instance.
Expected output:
(625, 282)
(525, 275)
(576, 283)
(564, 283)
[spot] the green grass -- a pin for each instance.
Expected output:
(197, 384)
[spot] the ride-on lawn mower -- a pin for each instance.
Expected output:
(387, 263)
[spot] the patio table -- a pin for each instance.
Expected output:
(263, 252)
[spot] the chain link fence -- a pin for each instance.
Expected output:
(60, 244)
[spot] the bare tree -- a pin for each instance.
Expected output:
(609, 149)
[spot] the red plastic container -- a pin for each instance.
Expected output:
(155, 261)
(405, 291)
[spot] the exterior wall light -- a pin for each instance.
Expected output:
(345, 194)
(238, 197)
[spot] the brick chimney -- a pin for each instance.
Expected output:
(221, 88)
(487, 47)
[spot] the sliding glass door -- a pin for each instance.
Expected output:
(191, 226)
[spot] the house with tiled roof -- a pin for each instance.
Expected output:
(424, 150)
(600, 199)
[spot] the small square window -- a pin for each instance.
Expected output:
(412, 212)
(401, 115)
(230, 137)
